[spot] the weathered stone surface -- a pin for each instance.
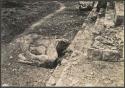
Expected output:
(51, 82)
(103, 55)
(76, 46)
(111, 55)
(38, 50)
(94, 54)
(52, 52)
(106, 38)
(41, 50)
(33, 59)
(119, 13)
(103, 42)
(107, 44)
(94, 50)
(85, 5)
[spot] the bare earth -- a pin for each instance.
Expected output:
(93, 60)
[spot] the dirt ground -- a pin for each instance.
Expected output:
(59, 20)
(17, 20)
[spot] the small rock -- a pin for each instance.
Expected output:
(11, 57)
(21, 57)
(14, 70)
(5, 85)
(75, 62)
(9, 64)
(52, 52)
(107, 81)
(96, 32)
(85, 5)
(51, 71)
(110, 55)
(99, 38)
(34, 36)
(113, 48)
(97, 44)
(51, 82)
(38, 50)
(92, 73)
(64, 61)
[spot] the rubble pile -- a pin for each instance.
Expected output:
(57, 52)
(97, 52)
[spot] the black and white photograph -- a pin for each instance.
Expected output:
(62, 43)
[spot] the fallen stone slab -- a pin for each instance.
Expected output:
(43, 51)
(103, 55)
(86, 5)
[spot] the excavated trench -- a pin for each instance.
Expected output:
(63, 45)
(60, 47)
(94, 53)
(21, 74)
(32, 49)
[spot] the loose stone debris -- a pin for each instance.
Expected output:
(98, 44)
(85, 5)
(93, 57)
(41, 51)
